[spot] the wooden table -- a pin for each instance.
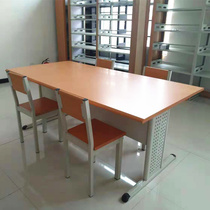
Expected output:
(136, 104)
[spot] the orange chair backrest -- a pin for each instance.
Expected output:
(17, 82)
(156, 73)
(104, 63)
(71, 105)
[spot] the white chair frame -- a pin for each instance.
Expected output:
(88, 147)
(32, 114)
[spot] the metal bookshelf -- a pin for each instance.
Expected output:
(116, 3)
(178, 48)
(165, 8)
(203, 52)
(82, 19)
(197, 52)
(100, 28)
(177, 28)
(172, 67)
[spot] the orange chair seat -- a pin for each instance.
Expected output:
(103, 134)
(42, 106)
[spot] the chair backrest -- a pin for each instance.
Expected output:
(20, 84)
(109, 64)
(77, 108)
(70, 105)
(16, 81)
(157, 73)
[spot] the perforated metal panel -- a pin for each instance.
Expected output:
(158, 142)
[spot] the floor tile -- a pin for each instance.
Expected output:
(41, 177)
(198, 146)
(133, 159)
(154, 201)
(16, 201)
(189, 127)
(20, 156)
(189, 120)
(74, 195)
(6, 186)
(188, 185)
(180, 156)
(9, 129)
(40, 187)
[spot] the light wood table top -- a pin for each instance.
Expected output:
(137, 97)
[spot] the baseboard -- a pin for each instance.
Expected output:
(4, 80)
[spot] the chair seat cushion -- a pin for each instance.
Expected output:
(103, 133)
(42, 106)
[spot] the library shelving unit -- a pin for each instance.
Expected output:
(109, 29)
(100, 28)
(188, 57)
(82, 30)
(203, 46)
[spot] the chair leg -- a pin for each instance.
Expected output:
(139, 147)
(143, 147)
(20, 127)
(67, 160)
(60, 133)
(36, 141)
(91, 173)
(44, 125)
(118, 159)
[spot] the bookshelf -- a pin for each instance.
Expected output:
(180, 39)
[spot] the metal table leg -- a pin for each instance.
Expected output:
(154, 163)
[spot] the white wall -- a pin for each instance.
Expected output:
(27, 33)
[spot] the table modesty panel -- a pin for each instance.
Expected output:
(134, 129)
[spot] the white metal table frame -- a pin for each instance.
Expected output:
(153, 134)
(154, 163)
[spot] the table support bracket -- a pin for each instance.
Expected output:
(141, 184)
(154, 163)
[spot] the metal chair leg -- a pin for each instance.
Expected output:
(91, 174)
(67, 159)
(36, 141)
(118, 159)
(20, 127)
(44, 125)
(139, 146)
(143, 147)
(60, 133)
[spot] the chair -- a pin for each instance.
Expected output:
(157, 73)
(41, 108)
(109, 64)
(92, 135)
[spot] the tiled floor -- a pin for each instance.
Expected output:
(36, 181)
